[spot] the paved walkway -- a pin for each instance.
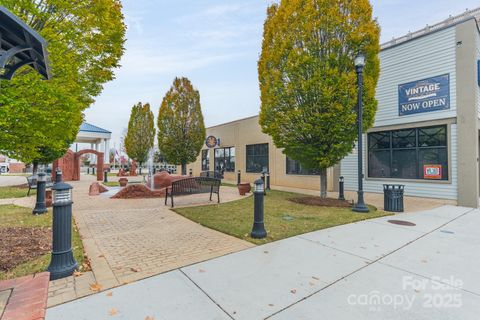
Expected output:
(366, 270)
(128, 240)
(11, 180)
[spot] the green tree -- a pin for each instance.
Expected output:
(140, 135)
(181, 130)
(40, 119)
(308, 81)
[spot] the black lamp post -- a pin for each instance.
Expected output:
(341, 188)
(359, 64)
(239, 177)
(40, 205)
(258, 230)
(62, 263)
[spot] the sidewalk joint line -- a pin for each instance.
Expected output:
(373, 262)
(205, 293)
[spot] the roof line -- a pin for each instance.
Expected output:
(447, 23)
(229, 122)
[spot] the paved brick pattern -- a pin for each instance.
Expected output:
(140, 243)
(28, 297)
(131, 239)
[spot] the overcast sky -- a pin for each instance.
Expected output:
(216, 44)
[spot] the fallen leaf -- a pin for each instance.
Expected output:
(109, 294)
(201, 270)
(315, 278)
(270, 304)
(134, 269)
(112, 311)
(101, 256)
(293, 291)
(311, 283)
(424, 261)
(265, 251)
(95, 287)
(125, 282)
(77, 273)
(149, 318)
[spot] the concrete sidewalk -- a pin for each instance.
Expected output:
(366, 270)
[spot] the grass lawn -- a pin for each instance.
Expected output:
(15, 216)
(283, 218)
(111, 184)
(226, 184)
(14, 192)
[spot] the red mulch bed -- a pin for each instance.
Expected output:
(138, 191)
(19, 245)
(317, 201)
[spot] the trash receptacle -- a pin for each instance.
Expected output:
(393, 197)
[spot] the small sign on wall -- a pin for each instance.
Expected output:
(432, 171)
(425, 95)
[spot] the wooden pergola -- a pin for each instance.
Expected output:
(20, 45)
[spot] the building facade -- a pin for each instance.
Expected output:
(426, 130)
(242, 146)
(426, 134)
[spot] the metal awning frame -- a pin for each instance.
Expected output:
(20, 45)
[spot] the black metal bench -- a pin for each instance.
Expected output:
(32, 182)
(212, 174)
(193, 185)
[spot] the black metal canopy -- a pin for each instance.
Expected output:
(20, 45)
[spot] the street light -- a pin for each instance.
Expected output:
(359, 64)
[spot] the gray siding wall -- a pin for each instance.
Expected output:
(429, 56)
(425, 57)
(478, 75)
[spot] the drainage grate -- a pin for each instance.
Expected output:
(402, 223)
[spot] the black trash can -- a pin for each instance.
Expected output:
(393, 197)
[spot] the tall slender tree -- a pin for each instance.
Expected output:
(140, 136)
(308, 81)
(40, 119)
(181, 130)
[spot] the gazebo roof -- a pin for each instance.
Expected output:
(20, 45)
(87, 127)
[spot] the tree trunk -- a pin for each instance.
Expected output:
(35, 167)
(323, 183)
(140, 168)
(184, 169)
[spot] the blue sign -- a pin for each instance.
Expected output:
(425, 95)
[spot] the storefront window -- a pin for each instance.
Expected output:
(225, 159)
(257, 157)
(294, 167)
(419, 153)
(205, 160)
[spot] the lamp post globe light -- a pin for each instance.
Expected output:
(40, 204)
(62, 263)
(258, 230)
(359, 64)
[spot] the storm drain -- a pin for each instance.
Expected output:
(402, 223)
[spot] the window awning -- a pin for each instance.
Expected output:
(20, 45)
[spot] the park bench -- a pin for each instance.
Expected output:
(212, 174)
(32, 182)
(193, 185)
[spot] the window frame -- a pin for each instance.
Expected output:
(298, 167)
(206, 160)
(255, 156)
(225, 158)
(417, 148)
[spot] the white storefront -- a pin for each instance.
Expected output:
(425, 134)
